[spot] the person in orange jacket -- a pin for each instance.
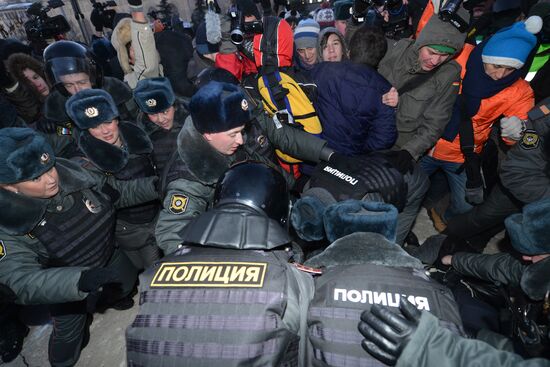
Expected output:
(492, 87)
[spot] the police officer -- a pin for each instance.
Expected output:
(57, 244)
(361, 268)
(221, 131)
(525, 178)
(162, 116)
(370, 177)
(411, 338)
(71, 67)
(228, 296)
(122, 149)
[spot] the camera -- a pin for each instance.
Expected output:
(448, 13)
(241, 29)
(371, 12)
(41, 26)
(101, 14)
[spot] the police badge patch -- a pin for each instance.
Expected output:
(178, 204)
(530, 140)
(3, 252)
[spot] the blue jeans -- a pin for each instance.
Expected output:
(457, 184)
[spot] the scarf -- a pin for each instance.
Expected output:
(476, 86)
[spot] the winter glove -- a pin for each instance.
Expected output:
(96, 19)
(387, 333)
(93, 279)
(512, 128)
(6, 81)
(401, 160)
(135, 5)
(343, 163)
(46, 126)
(474, 181)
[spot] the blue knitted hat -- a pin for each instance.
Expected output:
(511, 45)
(306, 34)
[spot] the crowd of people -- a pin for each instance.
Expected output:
(256, 177)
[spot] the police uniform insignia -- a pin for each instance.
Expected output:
(210, 274)
(92, 208)
(2, 250)
(178, 204)
(91, 112)
(244, 105)
(261, 140)
(44, 158)
(530, 140)
(151, 102)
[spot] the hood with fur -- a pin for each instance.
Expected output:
(18, 62)
(122, 35)
(328, 31)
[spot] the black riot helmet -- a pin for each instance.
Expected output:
(68, 57)
(257, 186)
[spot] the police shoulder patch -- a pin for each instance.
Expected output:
(178, 203)
(3, 252)
(530, 140)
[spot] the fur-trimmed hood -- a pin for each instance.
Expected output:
(122, 35)
(20, 213)
(364, 248)
(18, 62)
(204, 162)
(329, 31)
(54, 107)
(110, 158)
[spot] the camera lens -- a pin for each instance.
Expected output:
(237, 36)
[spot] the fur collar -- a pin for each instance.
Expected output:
(54, 106)
(203, 161)
(20, 213)
(364, 248)
(110, 158)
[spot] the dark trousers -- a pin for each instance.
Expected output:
(71, 320)
(484, 217)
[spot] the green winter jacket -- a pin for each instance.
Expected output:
(185, 199)
(424, 111)
(434, 346)
(20, 268)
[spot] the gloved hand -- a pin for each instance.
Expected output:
(97, 21)
(135, 5)
(474, 181)
(512, 127)
(343, 163)
(387, 333)
(92, 279)
(46, 126)
(401, 160)
(6, 81)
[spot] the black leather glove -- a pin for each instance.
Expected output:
(388, 333)
(6, 81)
(96, 19)
(474, 181)
(46, 126)
(401, 160)
(92, 279)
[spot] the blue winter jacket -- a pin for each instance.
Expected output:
(349, 105)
